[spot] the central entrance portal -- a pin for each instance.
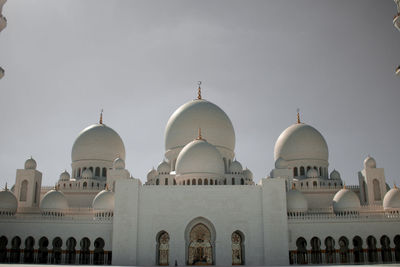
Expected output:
(200, 249)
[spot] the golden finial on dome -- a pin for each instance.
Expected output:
(199, 137)
(107, 187)
(199, 90)
(394, 185)
(344, 185)
(101, 117)
(293, 186)
(298, 115)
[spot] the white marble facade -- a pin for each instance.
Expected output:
(199, 206)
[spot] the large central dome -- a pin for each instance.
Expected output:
(183, 124)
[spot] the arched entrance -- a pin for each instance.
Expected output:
(200, 248)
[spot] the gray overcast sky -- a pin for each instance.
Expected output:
(140, 60)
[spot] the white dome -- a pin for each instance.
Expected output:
(392, 199)
(183, 124)
(248, 174)
(345, 200)
(119, 163)
(163, 167)
(87, 174)
(64, 176)
(98, 142)
(236, 167)
(335, 175)
(369, 163)
(104, 200)
(30, 164)
(296, 201)
(8, 202)
(199, 156)
(280, 163)
(301, 141)
(151, 174)
(312, 173)
(54, 200)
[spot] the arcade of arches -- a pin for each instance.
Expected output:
(355, 250)
(47, 251)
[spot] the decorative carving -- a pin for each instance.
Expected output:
(236, 249)
(200, 249)
(163, 250)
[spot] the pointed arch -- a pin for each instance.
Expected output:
(344, 249)
(162, 238)
(98, 253)
(386, 251)
(43, 250)
(56, 255)
(358, 252)
(200, 238)
(372, 250)
(3, 249)
(301, 244)
(237, 239)
(84, 253)
(316, 255)
(377, 190)
(23, 191)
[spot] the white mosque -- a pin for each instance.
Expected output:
(200, 207)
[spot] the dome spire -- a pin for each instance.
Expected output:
(394, 185)
(199, 91)
(199, 137)
(298, 115)
(5, 188)
(101, 117)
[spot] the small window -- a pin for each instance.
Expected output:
(104, 173)
(166, 181)
(157, 182)
(233, 181)
(241, 181)
(295, 172)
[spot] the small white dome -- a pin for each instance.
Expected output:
(163, 167)
(183, 124)
(392, 199)
(151, 174)
(280, 163)
(312, 173)
(248, 174)
(104, 200)
(335, 175)
(199, 156)
(64, 176)
(54, 200)
(98, 142)
(87, 174)
(369, 163)
(30, 164)
(236, 167)
(119, 163)
(296, 201)
(8, 202)
(345, 200)
(301, 141)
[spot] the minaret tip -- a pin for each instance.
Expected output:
(298, 116)
(199, 91)
(101, 117)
